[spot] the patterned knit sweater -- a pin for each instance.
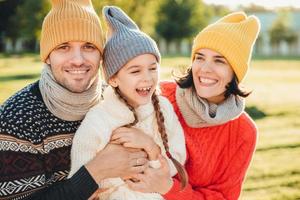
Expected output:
(35, 151)
(217, 157)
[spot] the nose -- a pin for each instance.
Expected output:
(147, 76)
(205, 66)
(77, 57)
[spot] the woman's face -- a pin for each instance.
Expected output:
(211, 75)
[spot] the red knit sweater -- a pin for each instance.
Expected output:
(218, 156)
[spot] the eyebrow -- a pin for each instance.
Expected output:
(217, 56)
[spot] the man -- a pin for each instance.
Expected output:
(37, 124)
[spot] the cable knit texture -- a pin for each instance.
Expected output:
(217, 156)
(95, 132)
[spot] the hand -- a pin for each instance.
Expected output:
(117, 161)
(153, 180)
(135, 138)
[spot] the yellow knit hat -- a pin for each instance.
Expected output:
(233, 36)
(70, 20)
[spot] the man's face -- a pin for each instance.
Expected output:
(75, 65)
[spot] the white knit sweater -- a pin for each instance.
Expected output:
(95, 132)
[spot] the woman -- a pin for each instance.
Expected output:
(209, 102)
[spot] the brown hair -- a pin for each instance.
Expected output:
(233, 87)
(162, 130)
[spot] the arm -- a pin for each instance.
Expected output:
(80, 187)
(228, 186)
(84, 182)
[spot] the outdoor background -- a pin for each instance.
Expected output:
(274, 75)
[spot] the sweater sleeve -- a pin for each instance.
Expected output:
(228, 186)
(175, 134)
(91, 137)
(80, 187)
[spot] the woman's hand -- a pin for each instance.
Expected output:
(153, 180)
(135, 138)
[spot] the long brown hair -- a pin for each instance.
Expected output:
(162, 130)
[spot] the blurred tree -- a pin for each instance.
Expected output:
(254, 8)
(179, 19)
(281, 30)
(218, 10)
(35, 11)
(23, 19)
(141, 11)
(8, 27)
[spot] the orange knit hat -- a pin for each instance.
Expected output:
(233, 36)
(70, 20)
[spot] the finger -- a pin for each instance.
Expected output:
(138, 169)
(140, 177)
(114, 142)
(117, 135)
(139, 154)
(136, 186)
(132, 150)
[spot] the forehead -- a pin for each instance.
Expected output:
(141, 60)
(211, 52)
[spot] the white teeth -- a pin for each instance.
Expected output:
(77, 71)
(206, 80)
(144, 89)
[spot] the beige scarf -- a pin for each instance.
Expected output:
(198, 112)
(64, 104)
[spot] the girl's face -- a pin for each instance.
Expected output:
(211, 75)
(137, 79)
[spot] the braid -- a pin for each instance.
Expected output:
(162, 130)
(118, 93)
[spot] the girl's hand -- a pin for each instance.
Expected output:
(153, 180)
(135, 138)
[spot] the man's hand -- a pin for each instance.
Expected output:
(117, 161)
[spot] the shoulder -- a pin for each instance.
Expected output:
(25, 116)
(247, 128)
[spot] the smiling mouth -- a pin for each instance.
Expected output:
(76, 72)
(207, 81)
(144, 91)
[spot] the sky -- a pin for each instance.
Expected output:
(266, 3)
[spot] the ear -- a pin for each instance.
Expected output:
(113, 82)
(48, 61)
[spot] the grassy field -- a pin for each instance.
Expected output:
(274, 104)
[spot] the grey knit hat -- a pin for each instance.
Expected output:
(125, 43)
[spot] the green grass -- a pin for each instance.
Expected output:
(274, 173)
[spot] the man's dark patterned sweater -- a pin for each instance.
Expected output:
(35, 151)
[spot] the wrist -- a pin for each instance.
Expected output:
(94, 171)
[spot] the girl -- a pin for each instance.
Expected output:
(131, 62)
(209, 102)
